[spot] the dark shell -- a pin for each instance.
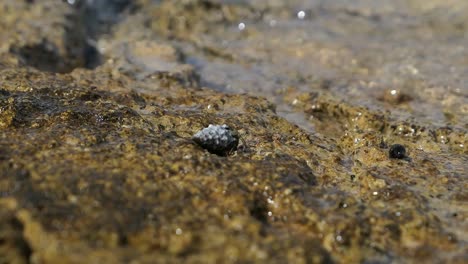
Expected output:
(397, 151)
(220, 140)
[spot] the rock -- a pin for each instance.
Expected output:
(98, 165)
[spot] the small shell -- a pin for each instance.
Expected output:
(397, 151)
(217, 139)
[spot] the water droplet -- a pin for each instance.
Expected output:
(270, 200)
(301, 14)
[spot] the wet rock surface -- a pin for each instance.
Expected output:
(98, 165)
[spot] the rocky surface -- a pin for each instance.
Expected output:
(99, 103)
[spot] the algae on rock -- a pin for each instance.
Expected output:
(97, 164)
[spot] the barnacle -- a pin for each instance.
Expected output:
(217, 139)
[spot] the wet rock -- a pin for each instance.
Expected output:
(95, 165)
(14, 247)
(53, 43)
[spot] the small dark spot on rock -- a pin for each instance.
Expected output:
(383, 145)
(259, 209)
(397, 151)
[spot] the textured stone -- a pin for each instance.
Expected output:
(98, 162)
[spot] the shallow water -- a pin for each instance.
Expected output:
(362, 48)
